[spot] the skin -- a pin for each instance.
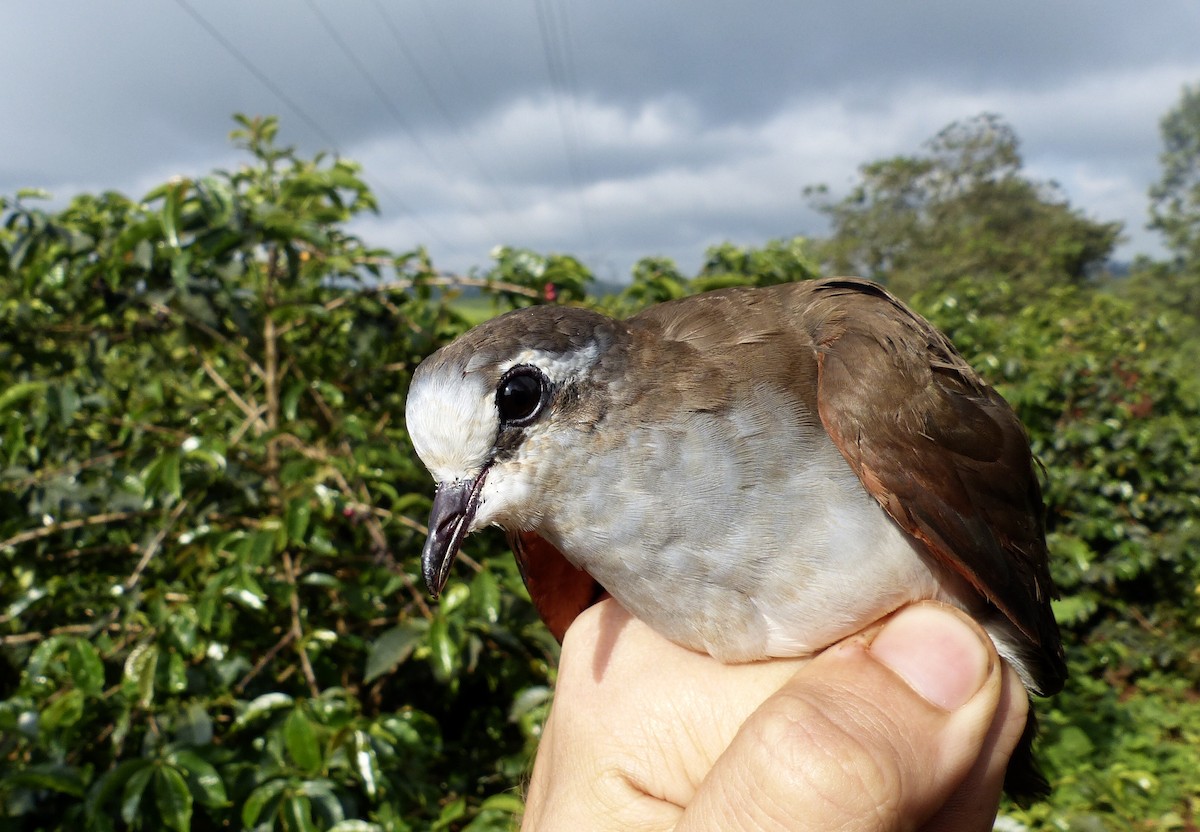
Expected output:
(908, 725)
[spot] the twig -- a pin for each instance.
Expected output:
(120, 548)
(289, 573)
(155, 545)
(68, 525)
(65, 630)
(252, 411)
(212, 333)
(71, 468)
(287, 639)
(271, 373)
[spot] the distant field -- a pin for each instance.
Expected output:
(476, 309)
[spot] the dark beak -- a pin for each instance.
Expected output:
(454, 506)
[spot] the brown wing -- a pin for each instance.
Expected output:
(559, 591)
(940, 450)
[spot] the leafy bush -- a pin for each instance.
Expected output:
(207, 546)
(1113, 411)
(210, 610)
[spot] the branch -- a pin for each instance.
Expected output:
(212, 333)
(69, 468)
(155, 545)
(289, 572)
(270, 372)
(68, 525)
(287, 639)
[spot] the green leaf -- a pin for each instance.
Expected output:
(47, 776)
(172, 205)
(298, 513)
(176, 673)
(245, 597)
(504, 802)
(366, 763)
(442, 655)
(173, 799)
(140, 667)
(107, 785)
(355, 825)
(259, 799)
(162, 477)
(202, 778)
(85, 667)
(453, 598)
(393, 647)
(296, 813)
(63, 711)
(135, 786)
(195, 726)
(65, 402)
(300, 736)
(325, 800)
(453, 811)
(527, 700)
(261, 706)
(15, 394)
(291, 400)
(485, 592)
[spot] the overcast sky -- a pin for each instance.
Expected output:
(610, 130)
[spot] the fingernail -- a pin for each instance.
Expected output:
(938, 654)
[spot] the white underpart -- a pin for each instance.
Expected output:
(744, 536)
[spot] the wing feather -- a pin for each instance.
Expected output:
(941, 451)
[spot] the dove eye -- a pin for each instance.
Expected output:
(520, 395)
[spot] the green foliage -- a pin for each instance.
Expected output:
(553, 277)
(208, 596)
(658, 279)
(1113, 411)
(962, 208)
(1175, 198)
(210, 610)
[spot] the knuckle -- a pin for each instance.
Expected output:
(842, 760)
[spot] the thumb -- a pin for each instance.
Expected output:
(876, 733)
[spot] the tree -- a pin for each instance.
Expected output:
(1175, 198)
(961, 208)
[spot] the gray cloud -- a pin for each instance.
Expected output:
(686, 123)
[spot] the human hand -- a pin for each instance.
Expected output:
(907, 725)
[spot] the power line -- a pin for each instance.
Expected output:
(299, 111)
(554, 32)
(262, 78)
(380, 93)
(436, 98)
(444, 47)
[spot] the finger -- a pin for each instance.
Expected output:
(971, 806)
(874, 734)
(637, 723)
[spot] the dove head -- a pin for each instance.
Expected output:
(484, 414)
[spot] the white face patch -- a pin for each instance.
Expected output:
(557, 366)
(452, 422)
